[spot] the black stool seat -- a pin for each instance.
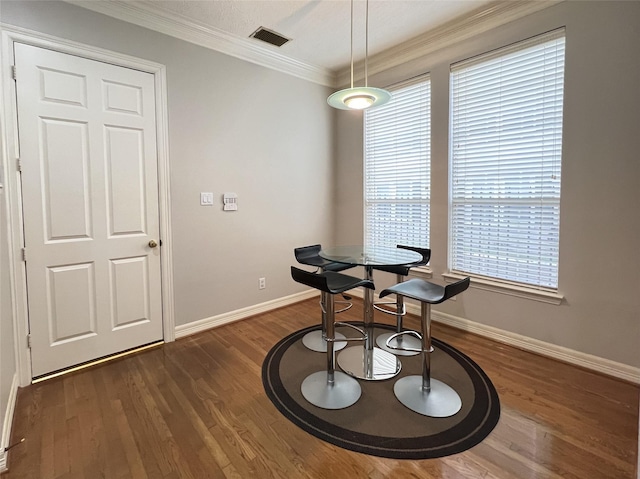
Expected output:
(329, 281)
(331, 389)
(404, 269)
(423, 394)
(425, 291)
(402, 345)
(310, 256)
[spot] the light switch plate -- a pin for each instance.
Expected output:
(206, 199)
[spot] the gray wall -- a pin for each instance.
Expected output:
(600, 224)
(270, 138)
(233, 127)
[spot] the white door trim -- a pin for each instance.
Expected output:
(9, 178)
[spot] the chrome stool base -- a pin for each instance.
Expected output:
(343, 392)
(315, 341)
(400, 342)
(440, 401)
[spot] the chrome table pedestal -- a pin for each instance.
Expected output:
(369, 363)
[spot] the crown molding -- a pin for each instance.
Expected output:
(480, 21)
(214, 39)
(457, 30)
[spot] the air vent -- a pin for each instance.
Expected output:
(269, 36)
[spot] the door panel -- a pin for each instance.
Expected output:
(122, 98)
(66, 191)
(63, 87)
(130, 297)
(71, 320)
(125, 181)
(90, 200)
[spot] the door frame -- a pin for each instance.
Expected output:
(10, 177)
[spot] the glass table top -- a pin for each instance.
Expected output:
(370, 256)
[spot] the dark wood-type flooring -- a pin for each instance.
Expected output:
(196, 408)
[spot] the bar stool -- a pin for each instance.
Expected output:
(310, 256)
(423, 394)
(331, 389)
(401, 345)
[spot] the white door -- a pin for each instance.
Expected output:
(90, 200)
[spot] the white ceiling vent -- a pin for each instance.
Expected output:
(269, 36)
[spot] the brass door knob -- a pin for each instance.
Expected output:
(152, 244)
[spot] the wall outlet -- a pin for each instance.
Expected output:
(262, 283)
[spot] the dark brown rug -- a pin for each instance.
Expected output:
(378, 424)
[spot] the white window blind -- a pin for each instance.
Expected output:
(506, 142)
(397, 177)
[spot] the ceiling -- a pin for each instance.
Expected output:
(320, 30)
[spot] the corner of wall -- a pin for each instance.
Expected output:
(7, 423)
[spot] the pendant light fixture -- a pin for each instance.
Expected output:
(359, 98)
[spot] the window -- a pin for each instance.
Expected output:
(397, 150)
(506, 142)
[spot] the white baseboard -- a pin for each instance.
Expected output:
(232, 316)
(588, 361)
(8, 422)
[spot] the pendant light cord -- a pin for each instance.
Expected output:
(366, 44)
(351, 43)
(363, 97)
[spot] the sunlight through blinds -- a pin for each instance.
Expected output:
(506, 147)
(397, 138)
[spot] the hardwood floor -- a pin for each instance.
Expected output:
(196, 408)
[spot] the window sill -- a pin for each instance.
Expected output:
(509, 289)
(424, 272)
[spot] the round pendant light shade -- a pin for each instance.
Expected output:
(359, 98)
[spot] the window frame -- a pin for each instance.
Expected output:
(479, 280)
(424, 271)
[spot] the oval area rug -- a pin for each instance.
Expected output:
(378, 424)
